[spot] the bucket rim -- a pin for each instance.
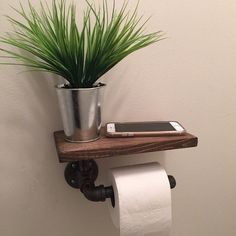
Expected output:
(95, 87)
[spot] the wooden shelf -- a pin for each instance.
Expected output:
(108, 147)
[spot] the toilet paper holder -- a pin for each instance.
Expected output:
(82, 175)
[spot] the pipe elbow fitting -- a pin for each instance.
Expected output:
(97, 193)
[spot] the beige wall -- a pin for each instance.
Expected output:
(188, 77)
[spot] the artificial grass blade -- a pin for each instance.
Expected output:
(55, 43)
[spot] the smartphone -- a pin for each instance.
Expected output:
(153, 128)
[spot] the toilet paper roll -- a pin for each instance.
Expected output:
(142, 200)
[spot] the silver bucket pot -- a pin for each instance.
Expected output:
(81, 112)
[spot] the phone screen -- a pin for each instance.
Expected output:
(144, 127)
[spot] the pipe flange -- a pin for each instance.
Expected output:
(79, 172)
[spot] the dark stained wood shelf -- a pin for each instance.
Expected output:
(108, 147)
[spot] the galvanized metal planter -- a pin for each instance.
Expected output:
(81, 112)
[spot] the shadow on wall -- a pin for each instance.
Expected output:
(108, 163)
(45, 107)
(37, 107)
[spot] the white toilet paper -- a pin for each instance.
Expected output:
(142, 200)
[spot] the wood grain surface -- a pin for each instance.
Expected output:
(107, 147)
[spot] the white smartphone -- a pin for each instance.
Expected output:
(149, 128)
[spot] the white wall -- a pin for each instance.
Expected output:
(189, 77)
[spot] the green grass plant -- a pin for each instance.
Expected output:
(52, 41)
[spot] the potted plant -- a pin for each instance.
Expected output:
(53, 42)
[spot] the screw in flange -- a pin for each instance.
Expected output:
(73, 165)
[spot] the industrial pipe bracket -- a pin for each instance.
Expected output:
(82, 175)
